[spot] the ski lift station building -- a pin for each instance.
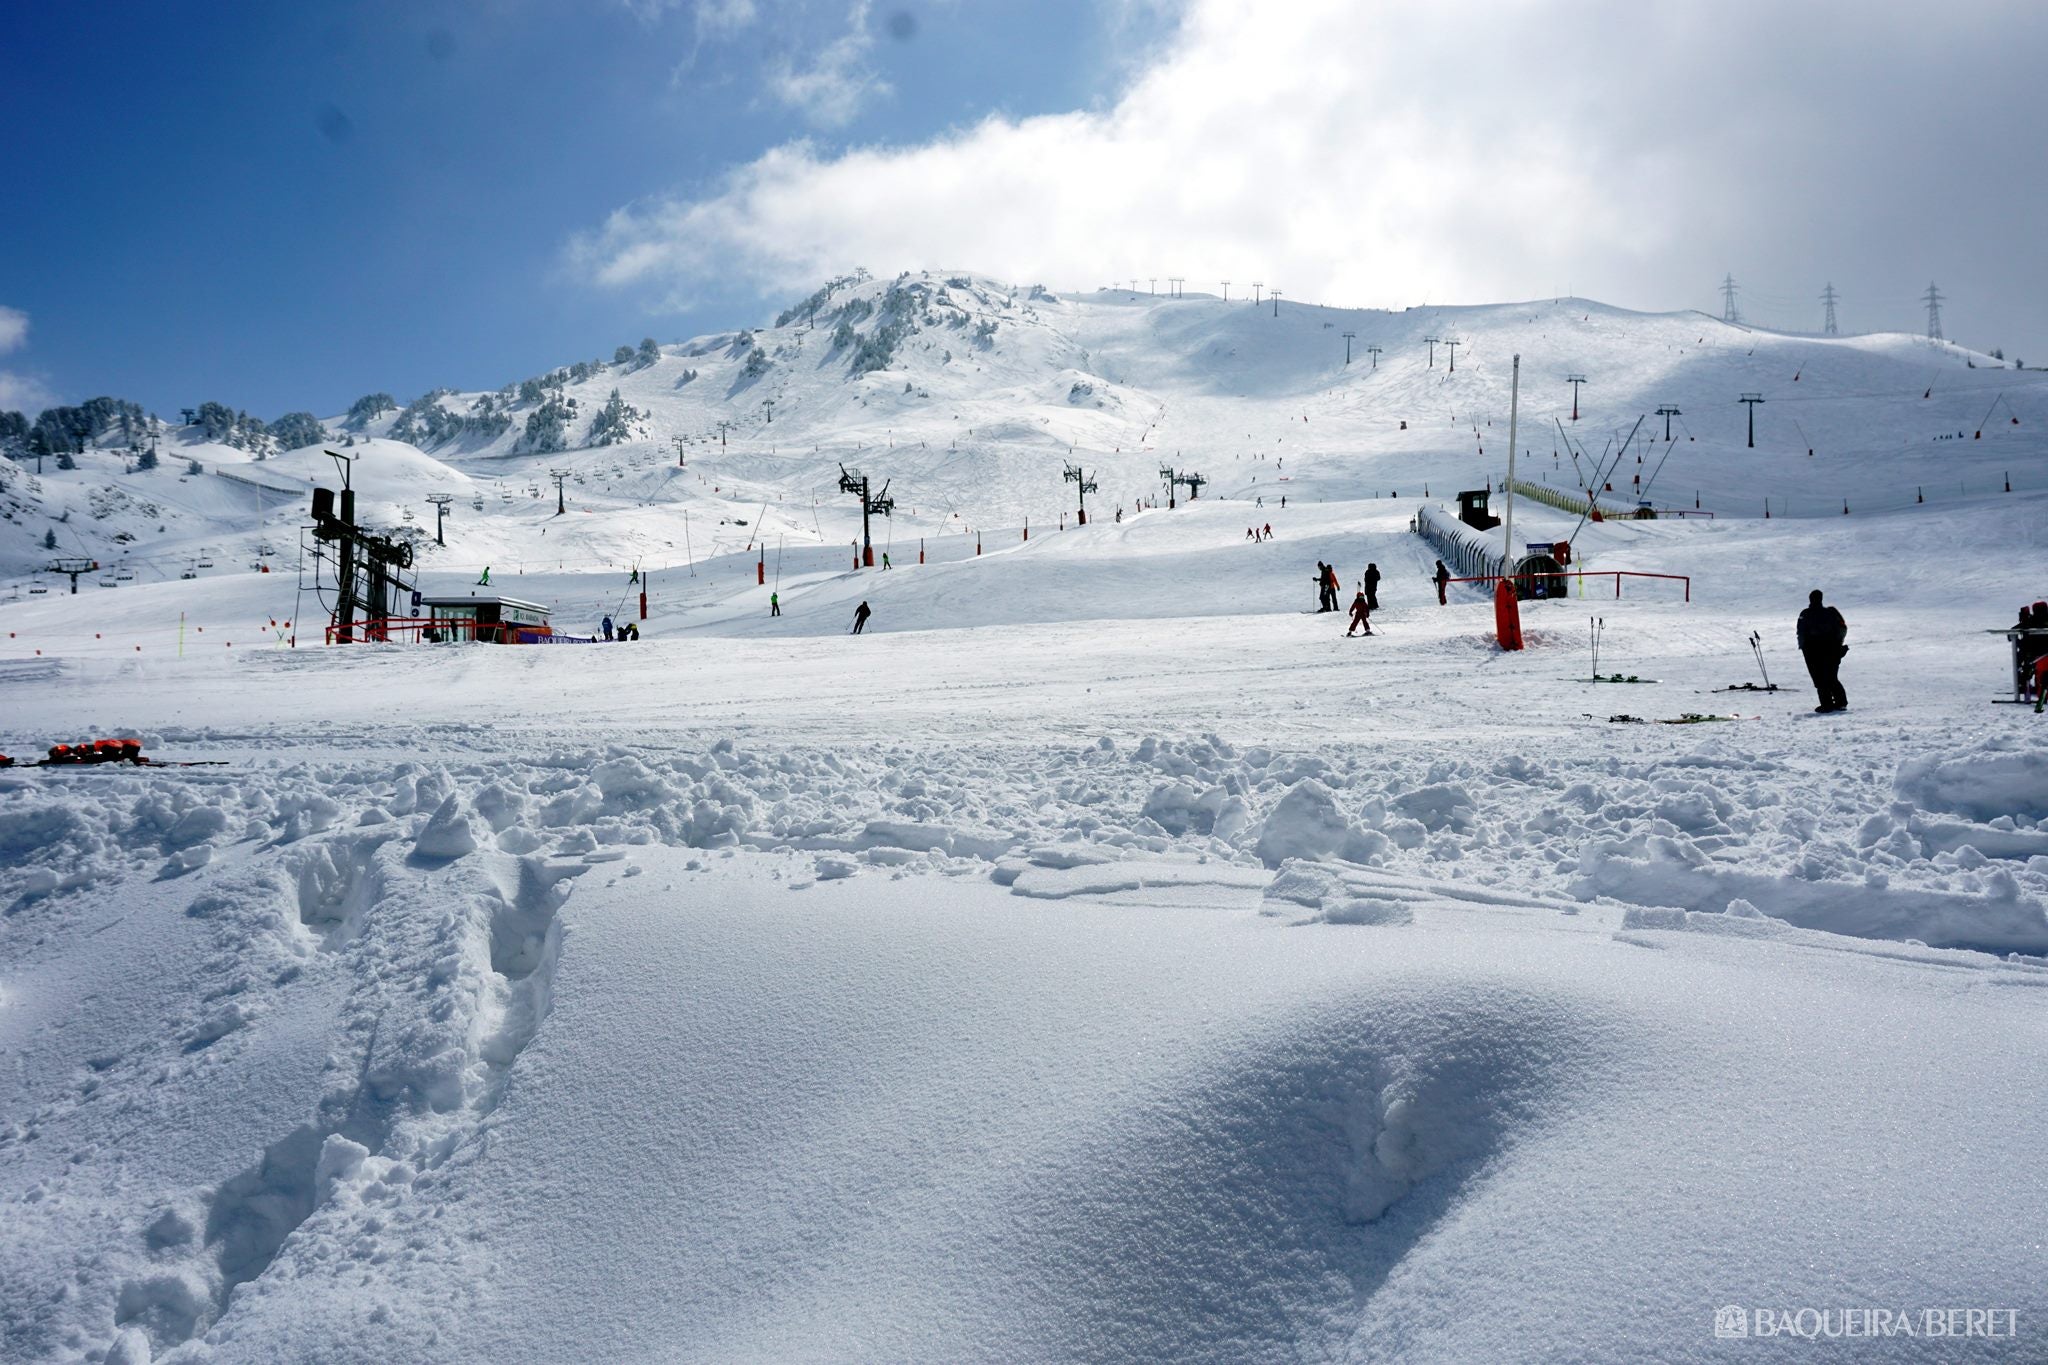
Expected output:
(502, 620)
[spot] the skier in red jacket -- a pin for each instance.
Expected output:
(1361, 615)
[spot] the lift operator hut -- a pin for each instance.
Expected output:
(500, 620)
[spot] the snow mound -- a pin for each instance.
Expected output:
(2001, 777)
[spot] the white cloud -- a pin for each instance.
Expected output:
(13, 329)
(1388, 155)
(724, 16)
(831, 88)
(19, 392)
(712, 18)
(24, 393)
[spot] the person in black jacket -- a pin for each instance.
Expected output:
(1372, 587)
(1823, 637)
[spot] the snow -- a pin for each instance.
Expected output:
(1100, 956)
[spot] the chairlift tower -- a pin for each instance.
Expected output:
(854, 482)
(440, 501)
(1083, 486)
(72, 568)
(1347, 348)
(1669, 411)
(1432, 351)
(1257, 285)
(1453, 344)
(681, 443)
(359, 553)
(559, 476)
(1166, 477)
(1374, 352)
(1752, 399)
(1575, 380)
(1192, 482)
(1275, 296)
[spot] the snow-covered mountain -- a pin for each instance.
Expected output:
(971, 396)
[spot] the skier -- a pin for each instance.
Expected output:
(1119, 516)
(1331, 586)
(1251, 533)
(775, 604)
(1372, 586)
(632, 630)
(1823, 636)
(885, 559)
(485, 581)
(860, 617)
(1443, 582)
(605, 627)
(1361, 614)
(1269, 530)
(1283, 501)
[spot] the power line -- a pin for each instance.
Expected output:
(1827, 298)
(1932, 298)
(1728, 310)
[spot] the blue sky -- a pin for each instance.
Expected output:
(286, 205)
(283, 206)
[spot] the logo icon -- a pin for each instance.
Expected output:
(1731, 1321)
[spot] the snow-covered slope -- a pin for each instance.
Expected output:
(1102, 956)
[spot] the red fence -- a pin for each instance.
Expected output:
(414, 629)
